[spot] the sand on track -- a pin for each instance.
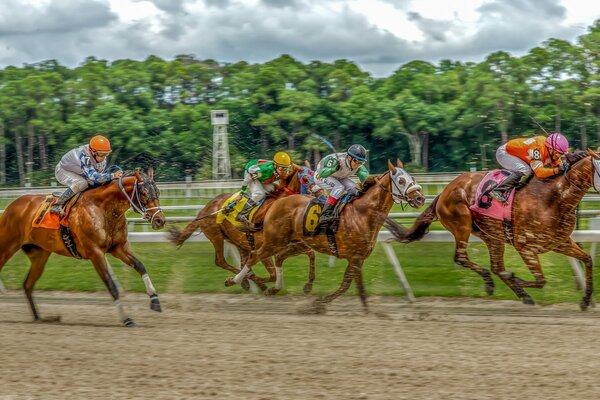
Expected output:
(218, 346)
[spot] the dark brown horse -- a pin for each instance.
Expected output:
(355, 238)
(98, 226)
(218, 233)
(544, 216)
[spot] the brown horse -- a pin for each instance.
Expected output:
(355, 238)
(544, 216)
(246, 241)
(97, 225)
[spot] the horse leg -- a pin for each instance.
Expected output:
(358, 280)
(123, 253)
(38, 258)
(99, 262)
(496, 250)
(572, 249)
(278, 269)
(461, 257)
(311, 272)
(352, 270)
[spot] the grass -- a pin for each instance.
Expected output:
(428, 267)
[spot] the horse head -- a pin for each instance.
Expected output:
(404, 187)
(144, 198)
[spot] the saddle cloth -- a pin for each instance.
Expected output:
(233, 208)
(486, 204)
(45, 219)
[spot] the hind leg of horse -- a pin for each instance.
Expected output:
(572, 249)
(496, 250)
(123, 253)
(38, 258)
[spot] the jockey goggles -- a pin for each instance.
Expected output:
(285, 168)
(101, 153)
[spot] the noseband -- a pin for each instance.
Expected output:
(139, 208)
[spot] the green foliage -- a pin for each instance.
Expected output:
(438, 117)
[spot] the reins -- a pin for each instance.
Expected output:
(140, 208)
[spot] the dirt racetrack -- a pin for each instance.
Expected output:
(248, 347)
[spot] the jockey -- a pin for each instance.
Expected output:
(259, 178)
(82, 167)
(522, 156)
(333, 174)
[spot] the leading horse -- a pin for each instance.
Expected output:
(355, 238)
(544, 216)
(97, 225)
(206, 221)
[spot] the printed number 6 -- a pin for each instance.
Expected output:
(312, 218)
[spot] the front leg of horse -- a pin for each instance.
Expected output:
(319, 306)
(572, 249)
(123, 254)
(101, 267)
(461, 258)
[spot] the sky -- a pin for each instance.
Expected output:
(378, 35)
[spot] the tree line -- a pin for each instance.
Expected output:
(436, 117)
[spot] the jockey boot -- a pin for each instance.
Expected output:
(506, 184)
(243, 216)
(327, 214)
(58, 206)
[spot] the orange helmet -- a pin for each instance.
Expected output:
(100, 143)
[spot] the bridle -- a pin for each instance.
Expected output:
(400, 194)
(139, 207)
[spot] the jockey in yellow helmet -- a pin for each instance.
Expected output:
(259, 176)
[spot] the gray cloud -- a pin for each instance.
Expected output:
(230, 31)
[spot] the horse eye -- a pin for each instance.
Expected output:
(402, 181)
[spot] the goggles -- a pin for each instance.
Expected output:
(285, 168)
(100, 153)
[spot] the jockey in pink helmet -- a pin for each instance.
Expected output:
(558, 143)
(523, 157)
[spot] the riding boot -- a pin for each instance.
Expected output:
(327, 214)
(244, 215)
(57, 207)
(506, 184)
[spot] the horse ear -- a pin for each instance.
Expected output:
(399, 163)
(151, 173)
(138, 175)
(391, 166)
(593, 153)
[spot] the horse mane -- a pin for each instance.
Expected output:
(371, 181)
(576, 156)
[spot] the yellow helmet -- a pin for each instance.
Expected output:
(282, 159)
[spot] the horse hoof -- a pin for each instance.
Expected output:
(155, 303)
(49, 320)
(128, 322)
(271, 291)
(489, 289)
(528, 300)
(583, 305)
(307, 288)
(229, 282)
(245, 284)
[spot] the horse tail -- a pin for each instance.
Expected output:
(177, 236)
(419, 228)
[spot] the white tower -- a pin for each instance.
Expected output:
(221, 168)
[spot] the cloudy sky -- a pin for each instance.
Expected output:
(379, 35)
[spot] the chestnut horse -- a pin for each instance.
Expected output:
(355, 239)
(98, 226)
(544, 216)
(206, 221)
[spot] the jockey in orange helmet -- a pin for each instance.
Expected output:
(82, 167)
(259, 177)
(522, 156)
